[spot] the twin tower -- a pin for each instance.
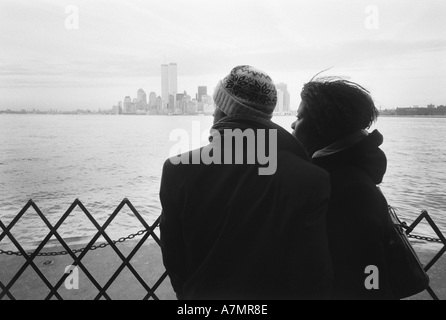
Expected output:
(169, 81)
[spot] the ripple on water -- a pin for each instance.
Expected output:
(102, 160)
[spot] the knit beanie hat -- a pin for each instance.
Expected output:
(246, 90)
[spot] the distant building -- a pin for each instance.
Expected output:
(173, 78)
(192, 106)
(165, 84)
(159, 104)
(115, 110)
(128, 105)
(421, 111)
(179, 96)
(141, 100)
(179, 105)
(282, 91)
(171, 104)
(202, 90)
(152, 100)
(169, 84)
(141, 96)
(208, 104)
(279, 106)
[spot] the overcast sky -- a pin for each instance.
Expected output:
(396, 49)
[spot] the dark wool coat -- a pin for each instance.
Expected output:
(357, 219)
(229, 233)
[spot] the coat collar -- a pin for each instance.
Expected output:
(341, 144)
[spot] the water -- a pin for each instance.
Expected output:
(54, 159)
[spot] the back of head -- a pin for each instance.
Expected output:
(246, 91)
(337, 107)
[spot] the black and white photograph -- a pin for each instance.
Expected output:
(222, 155)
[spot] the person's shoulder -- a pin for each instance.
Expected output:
(351, 176)
(355, 186)
(302, 175)
(295, 165)
(188, 157)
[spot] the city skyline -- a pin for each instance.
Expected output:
(172, 101)
(83, 54)
(184, 103)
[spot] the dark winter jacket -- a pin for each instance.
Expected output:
(229, 233)
(357, 218)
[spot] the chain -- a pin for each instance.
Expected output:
(141, 232)
(61, 253)
(424, 238)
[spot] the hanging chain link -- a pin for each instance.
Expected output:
(141, 232)
(61, 253)
(424, 238)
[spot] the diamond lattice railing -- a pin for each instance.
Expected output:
(441, 238)
(77, 259)
(77, 255)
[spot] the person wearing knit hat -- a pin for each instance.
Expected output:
(229, 232)
(246, 90)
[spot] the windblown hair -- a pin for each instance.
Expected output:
(337, 107)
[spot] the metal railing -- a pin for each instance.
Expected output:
(5, 289)
(441, 239)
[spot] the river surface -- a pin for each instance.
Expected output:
(102, 159)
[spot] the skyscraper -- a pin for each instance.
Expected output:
(169, 82)
(159, 104)
(285, 105)
(279, 106)
(178, 102)
(202, 90)
(173, 78)
(128, 105)
(165, 84)
(171, 104)
(208, 104)
(141, 98)
(152, 99)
